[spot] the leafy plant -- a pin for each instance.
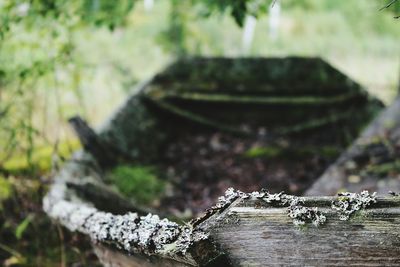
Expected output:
(21, 228)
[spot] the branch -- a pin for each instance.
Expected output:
(388, 5)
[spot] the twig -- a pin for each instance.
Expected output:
(388, 5)
(62, 248)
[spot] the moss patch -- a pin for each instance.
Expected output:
(5, 190)
(140, 183)
(276, 151)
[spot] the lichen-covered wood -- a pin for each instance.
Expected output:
(242, 229)
(285, 108)
(254, 232)
(371, 163)
(305, 101)
(131, 232)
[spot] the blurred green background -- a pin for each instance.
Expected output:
(85, 56)
(61, 58)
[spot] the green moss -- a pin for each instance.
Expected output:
(5, 190)
(358, 216)
(275, 151)
(268, 152)
(137, 182)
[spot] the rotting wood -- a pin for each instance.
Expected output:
(104, 153)
(259, 99)
(254, 229)
(136, 131)
(147, 235)
(385, 128)
(244, 229)
(249, 230)
(256, 233)
(110, 257)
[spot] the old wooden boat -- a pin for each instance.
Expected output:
(297, 100)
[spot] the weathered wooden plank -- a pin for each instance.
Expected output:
(254, 233)
(249, 229)
(147, 236)
(241, 230)
(110, 257)
(105, 154)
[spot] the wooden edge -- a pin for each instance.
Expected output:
(335, 178)
(153, 238)
(130, 233)
(252, 232)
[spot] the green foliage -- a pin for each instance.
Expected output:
(238, 9)
(138, 182)
(42, 46)
(38, 60)
(21, 228)
(40, 159)
(105, 12)
(5, 190)
(174, 37)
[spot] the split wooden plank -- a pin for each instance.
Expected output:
(253, 233)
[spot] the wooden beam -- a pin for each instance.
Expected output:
(255, 229)
(254, 233)
(103, 153)
(147, 236)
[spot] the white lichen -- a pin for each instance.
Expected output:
(347, 203)
(301, 215)
(144, 234)
(229, 196)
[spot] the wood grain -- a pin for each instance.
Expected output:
(266, 236)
